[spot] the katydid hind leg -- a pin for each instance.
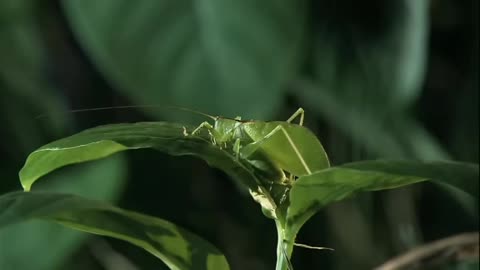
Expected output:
(300, 112)
(251, 148)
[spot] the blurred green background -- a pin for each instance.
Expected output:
(377, 79)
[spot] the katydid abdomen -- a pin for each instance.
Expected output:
(292, 147)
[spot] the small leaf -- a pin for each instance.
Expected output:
(313, 192)
(176, 247)
(458, 174)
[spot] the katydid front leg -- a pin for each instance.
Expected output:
(204, 125)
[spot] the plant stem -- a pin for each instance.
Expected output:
(284, 249)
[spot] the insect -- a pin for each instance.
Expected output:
(292, 147)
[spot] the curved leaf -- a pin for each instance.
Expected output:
(194, 53)
(399, 137)
(378, 62)
(310, 193)
(458, 174)
(106, 140)
(178, 248)
(30, 237)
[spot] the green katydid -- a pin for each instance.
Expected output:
(292, 147)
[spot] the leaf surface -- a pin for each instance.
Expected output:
(176, 247)
(312, 192)
(30, 237)
(194, 53)
(377, 62)
(102, 141)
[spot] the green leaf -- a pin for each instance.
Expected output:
(367, 73)
(311, 193)
(377, 62)
(30, 237)
(462, 175)
(458, 179)
(176, 247)
(106, 140)
(194, 53)
(25, 89)
(398, 137)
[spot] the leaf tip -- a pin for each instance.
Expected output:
(26, 187)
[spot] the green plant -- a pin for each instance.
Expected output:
(289, 203)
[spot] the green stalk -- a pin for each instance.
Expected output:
(284, 249)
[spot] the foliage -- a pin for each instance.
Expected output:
(396, 80)
(176, 247)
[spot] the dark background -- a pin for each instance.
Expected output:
(377, 79)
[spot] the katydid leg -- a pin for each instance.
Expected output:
(300, 112)
(201, 126)
(204, 125)
(249, 149)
